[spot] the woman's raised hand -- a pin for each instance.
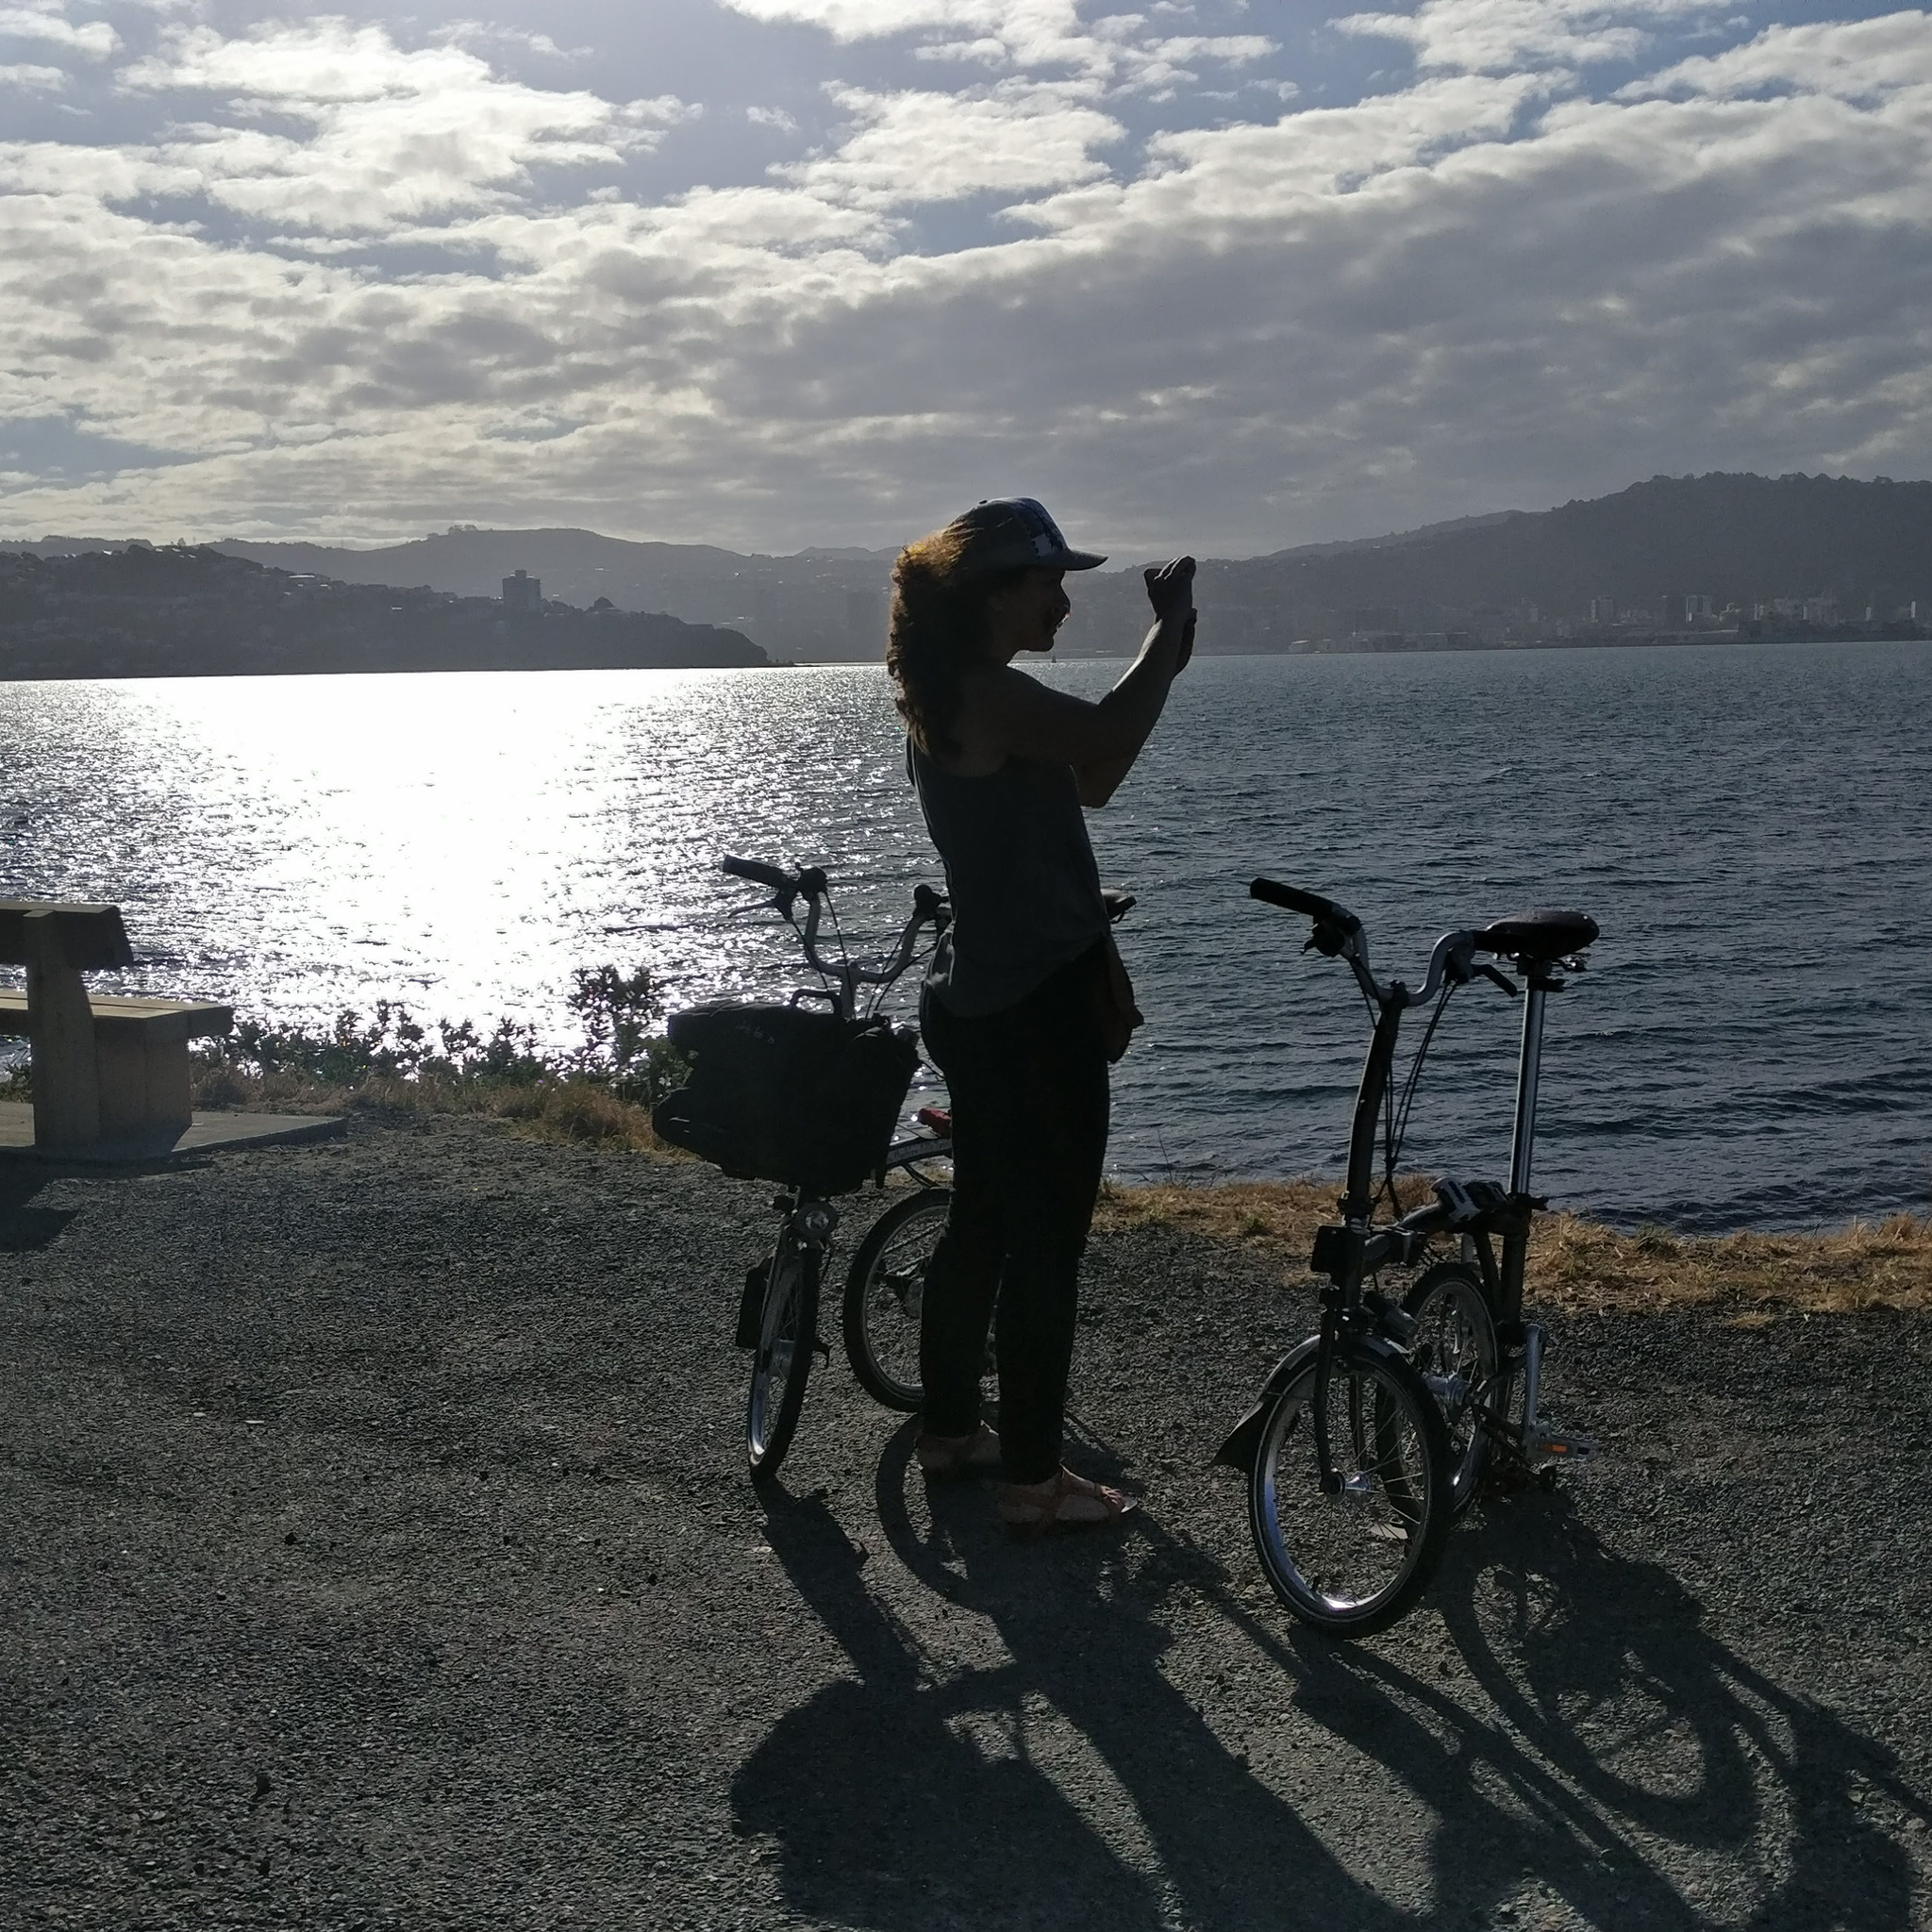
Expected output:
(1171, 586)
(1171, 591)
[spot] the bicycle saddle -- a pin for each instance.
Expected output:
(1544, 934)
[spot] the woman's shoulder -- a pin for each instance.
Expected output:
(978, 740)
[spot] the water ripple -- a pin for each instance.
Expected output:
(1752, 828)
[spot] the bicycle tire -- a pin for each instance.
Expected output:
(788, 1331)
(883, 1291)
(1458, 1337)
(1334, 1560)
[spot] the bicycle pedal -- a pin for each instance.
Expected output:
(1549, 1449)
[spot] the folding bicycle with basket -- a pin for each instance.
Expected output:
(810, 1099)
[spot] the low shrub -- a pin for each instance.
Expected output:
(601, 1091)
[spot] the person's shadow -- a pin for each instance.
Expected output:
(919, 1795)
(1626, 1746)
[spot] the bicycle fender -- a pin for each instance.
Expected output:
(750, 1304)
(1238, 1451)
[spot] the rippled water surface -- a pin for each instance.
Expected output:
(1752, 827)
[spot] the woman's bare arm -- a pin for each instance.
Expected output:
(1099, 778)
(1003, 713)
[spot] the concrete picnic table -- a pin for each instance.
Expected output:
(104, 1065)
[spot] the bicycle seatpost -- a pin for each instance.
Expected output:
(1523, 1144)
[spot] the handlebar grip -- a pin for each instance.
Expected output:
(760, 873)
(1322, 912)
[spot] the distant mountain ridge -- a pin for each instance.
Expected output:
(137, 611)
(1721, 539)
(821, 604)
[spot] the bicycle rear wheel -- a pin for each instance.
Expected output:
(787, 1329)
(1352, 1563)
(1457, 1353)
(885, 1288)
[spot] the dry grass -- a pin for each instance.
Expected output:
(1580, 1265)
(1884, 1264)
(1574, 1264)
(580, 1111)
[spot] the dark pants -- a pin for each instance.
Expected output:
(1029, 1101)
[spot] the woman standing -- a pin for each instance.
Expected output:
(1025, 1004)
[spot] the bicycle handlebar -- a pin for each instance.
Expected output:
(1338, 935)
(1322, 912)
(809, 884)
(1532, 937)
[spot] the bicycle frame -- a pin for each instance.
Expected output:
(1488, 1218)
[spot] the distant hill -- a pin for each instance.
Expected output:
(137, 611)
(1726, 539)
(818, 605)
(1652, 554)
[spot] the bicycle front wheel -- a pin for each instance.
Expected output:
(788, 1328)
(885, 1290)
(1352, 1563)
(1455, 1350)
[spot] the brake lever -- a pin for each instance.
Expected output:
(1498, 979)
(779, 902)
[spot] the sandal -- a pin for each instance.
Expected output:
(1064, 1501)
(954, 1456)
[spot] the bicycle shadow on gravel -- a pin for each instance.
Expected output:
(1635, 1765)
(1072, 1785)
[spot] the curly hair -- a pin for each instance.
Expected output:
(939, 619)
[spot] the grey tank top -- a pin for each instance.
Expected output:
(1020, 874)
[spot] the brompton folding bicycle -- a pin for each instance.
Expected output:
(809, 1099)
(1372, 1434)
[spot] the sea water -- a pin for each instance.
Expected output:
(1751, 826)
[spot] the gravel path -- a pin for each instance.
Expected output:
(375, 1550)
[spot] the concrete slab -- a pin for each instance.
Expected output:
(204, 1133)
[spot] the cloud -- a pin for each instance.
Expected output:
(31, 80)
(1119, 48)
(921, 148)
(48, 24)
(860, 20)
(1862, 61)
(394, 136)
(1476, 288)
(1498, 36)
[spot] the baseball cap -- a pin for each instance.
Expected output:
(1016, 533)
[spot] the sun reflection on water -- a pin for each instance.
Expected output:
(1751, 827)
(462, 842)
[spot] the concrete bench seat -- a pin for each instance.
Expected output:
(103, 1064)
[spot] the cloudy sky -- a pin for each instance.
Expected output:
(772, 272)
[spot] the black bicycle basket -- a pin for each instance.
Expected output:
(785, 1093)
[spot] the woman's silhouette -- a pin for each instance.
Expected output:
(1025, 1002)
